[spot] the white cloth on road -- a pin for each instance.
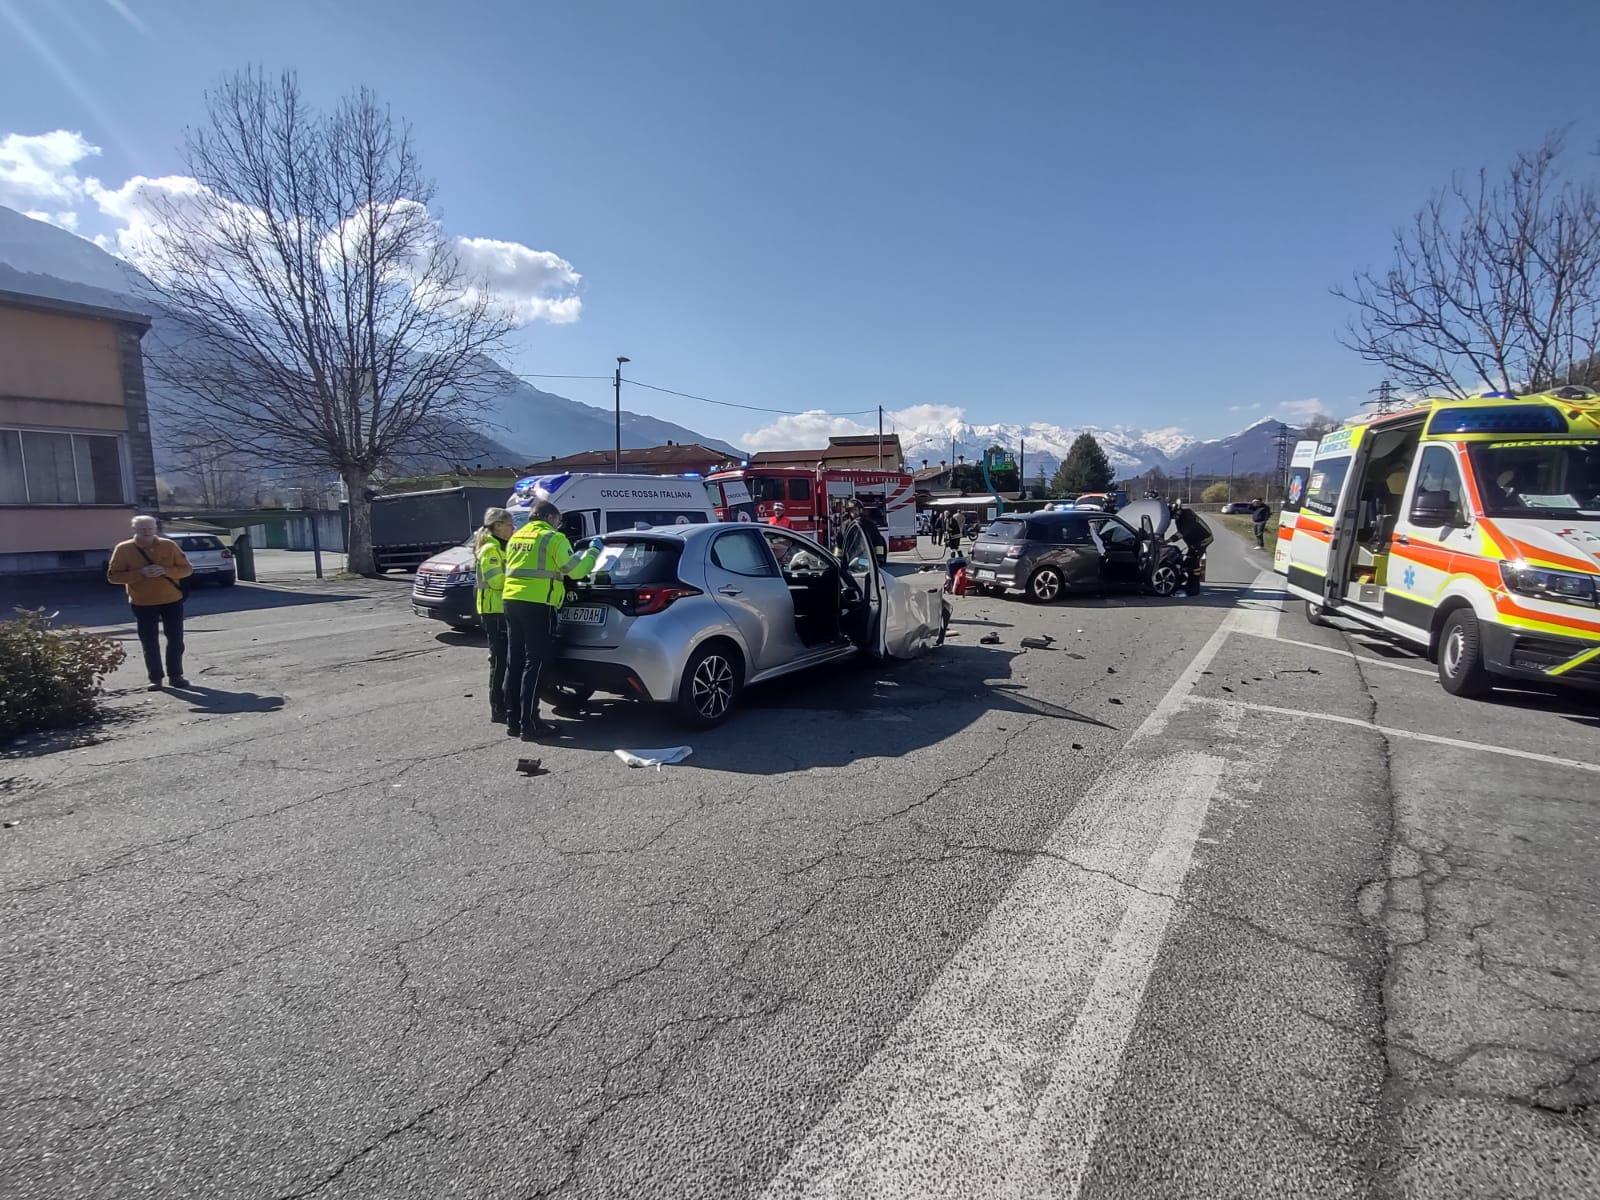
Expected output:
(654, 758)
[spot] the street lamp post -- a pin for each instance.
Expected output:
(1232, 458)
(616, 384)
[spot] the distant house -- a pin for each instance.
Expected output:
(674, 458)
(853, 451)
(75, 457)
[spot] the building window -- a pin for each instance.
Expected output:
(39, 467)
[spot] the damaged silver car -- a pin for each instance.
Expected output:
(689, 615)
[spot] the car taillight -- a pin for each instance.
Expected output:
(226, 553)
(652, 598)
(1013, 551)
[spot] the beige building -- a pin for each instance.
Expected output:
(865, 451)
(75, 458)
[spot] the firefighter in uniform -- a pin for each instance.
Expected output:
(539, 561)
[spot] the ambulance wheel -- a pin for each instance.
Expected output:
(1044, 585)
(1461, 669)
(1316, 614)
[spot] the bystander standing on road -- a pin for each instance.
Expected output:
(777, 518)
(489, 563)
(149, 567)
(1259, 513)
(539, 561)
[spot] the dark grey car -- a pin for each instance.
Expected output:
(1047, 554)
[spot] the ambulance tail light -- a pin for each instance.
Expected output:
(1543, 583)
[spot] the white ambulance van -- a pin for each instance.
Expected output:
(1467, 528)
(593, 504)
(1294, 494)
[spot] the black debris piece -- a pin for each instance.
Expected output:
(990, 639)
(1113, 700)
(530, 766)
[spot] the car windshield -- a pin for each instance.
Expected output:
(1539, 479)
(1007, 531)
(636, 561)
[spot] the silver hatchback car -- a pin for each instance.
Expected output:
(689, 615)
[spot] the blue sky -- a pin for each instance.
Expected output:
(1063, 212)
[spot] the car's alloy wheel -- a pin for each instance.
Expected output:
(1165, 580)
(711, 687)
(1045, 585)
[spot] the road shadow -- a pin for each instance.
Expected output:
(450, 636)
(830, 717)
(98, 604)
(208, 700)
(67, 737)
(1211, 595)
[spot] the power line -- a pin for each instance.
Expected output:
(786, 412)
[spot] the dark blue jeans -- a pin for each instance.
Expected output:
(152, 620)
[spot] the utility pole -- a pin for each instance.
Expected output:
(1188, 484)
(1022, 468)
(616, 384)
(1282, 440)
(1384, 400)
(1232, 458)
(880, 437)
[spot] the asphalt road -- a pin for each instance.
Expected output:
(1199, 901)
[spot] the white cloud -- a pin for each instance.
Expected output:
(927, 416)
(1300, 410)
(801, 432)
(39, 170)
(66, 219)
(138, 209)
(536, 285)
(39, 176)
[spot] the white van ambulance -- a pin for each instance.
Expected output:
(1468, 528)
(1294, 494)
(590, 504)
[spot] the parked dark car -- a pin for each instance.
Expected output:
(1047, 554)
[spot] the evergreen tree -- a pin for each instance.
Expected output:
(1086, 469)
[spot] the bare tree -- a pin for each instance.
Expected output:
(1492, 283)
(322, 318)
(218, 479)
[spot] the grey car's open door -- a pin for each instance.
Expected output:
(1152, 519)
(860, 565)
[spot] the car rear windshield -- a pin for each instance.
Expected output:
(635, 562)
(199, 542)
(1007, 531)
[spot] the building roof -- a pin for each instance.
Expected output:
(674, 456)
(849, 446)
(786, 458)
(74, 308)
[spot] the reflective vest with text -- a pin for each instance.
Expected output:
(539, 560)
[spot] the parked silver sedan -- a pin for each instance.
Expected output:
(688, 615)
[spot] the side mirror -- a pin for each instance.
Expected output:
(1434, 510)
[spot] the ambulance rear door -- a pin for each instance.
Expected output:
(1312, 539)
(1294, 494)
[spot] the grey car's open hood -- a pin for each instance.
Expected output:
(1158, 512)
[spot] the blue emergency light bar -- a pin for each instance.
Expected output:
(1507, 418)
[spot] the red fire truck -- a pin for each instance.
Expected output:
(812, 498)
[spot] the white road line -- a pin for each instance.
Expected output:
(1409, 734)
(1050, 986)
(1371, 662)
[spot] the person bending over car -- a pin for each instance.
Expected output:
(1196, 535)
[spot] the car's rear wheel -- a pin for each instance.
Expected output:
(712, 681)
(227, 581)
(1044, 585)
(1461, 668)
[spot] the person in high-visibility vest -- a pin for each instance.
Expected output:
(539, 561)
(489, 563)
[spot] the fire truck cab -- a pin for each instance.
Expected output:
(814, 499)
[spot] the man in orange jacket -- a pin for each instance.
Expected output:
(149, 566)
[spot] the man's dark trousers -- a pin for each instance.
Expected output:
(529, 640)
(152, 620)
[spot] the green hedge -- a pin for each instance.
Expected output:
(50, 678)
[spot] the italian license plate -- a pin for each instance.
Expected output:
(985, 575)
(582, 614)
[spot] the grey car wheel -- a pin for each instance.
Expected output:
(1045, 585)
(1165, 581)
(711, 683)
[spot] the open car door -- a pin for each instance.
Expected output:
(864, 615)
(1151, 518)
